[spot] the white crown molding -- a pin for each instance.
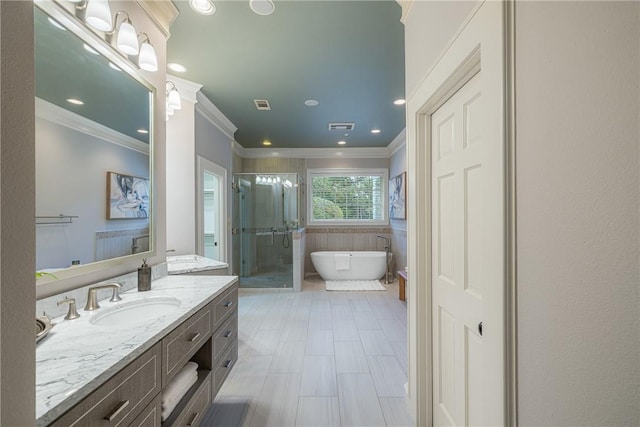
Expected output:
(406, 7)
(53, 113)
(161, 12)
(398, 142)
(188, 90)
(210, 112)
(323, 153)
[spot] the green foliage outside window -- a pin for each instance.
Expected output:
(351, 198)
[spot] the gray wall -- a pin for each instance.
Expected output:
(17, 211)
(398, 165)
(213, 145)
(577, 201)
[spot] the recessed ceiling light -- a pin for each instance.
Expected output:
(311, 103)
(74, 101)
(375, 130)
(399, 101)
(56, 24)
(342, 142)
(265, 142)
(203, 7)
(262, 7)
(90, 49)
(178, 68)
(143, 131)
(115, 67)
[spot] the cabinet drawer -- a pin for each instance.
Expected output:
(224, 336)
(224, 305)
(183, 342)
(151, 416)
(196, 409)
(119, 401)
(223, 366)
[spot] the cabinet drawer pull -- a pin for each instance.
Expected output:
(228, 364)
(194, 419)
(117, 410)
(195, 337)
(228, 334)
(228, 304)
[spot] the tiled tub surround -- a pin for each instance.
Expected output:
(344, 239)
(77, 357)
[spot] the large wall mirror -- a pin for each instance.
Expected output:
(94, 204)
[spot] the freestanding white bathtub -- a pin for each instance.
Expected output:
(355, 265)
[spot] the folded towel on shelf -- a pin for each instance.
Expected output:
(178, 387)
(343, 261)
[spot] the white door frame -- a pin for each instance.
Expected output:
(484, 41)
(202, 166)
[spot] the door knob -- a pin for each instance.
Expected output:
(480, 328)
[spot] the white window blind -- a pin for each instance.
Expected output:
(348, 196)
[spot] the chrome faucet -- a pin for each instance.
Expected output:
(387, 249)
(92, 297)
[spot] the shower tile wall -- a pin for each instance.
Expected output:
(343, 239)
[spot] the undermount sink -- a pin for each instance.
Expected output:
(139, 311)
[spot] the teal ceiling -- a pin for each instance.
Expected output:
(348, 55)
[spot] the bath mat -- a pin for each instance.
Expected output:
(354, 285)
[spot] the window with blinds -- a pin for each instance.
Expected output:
(347, 197)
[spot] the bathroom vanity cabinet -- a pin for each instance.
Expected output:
(132, 397)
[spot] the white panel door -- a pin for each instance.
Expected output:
(460, 239)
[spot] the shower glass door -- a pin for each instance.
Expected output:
(265, 214)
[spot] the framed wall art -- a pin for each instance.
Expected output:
(127, 196)
(397, 196)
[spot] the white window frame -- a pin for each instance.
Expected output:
(346, 172)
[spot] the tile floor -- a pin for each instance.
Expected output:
(317, 358)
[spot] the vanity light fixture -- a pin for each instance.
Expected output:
(147, 59)
(127, 38)
(98, 15)
(203, 7)
(262, 7)
(173, 96)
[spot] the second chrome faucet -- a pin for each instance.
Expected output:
(92, 296)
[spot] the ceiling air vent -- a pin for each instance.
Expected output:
(262, 104)
(341, 126)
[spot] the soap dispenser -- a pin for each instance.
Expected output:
(144, 277)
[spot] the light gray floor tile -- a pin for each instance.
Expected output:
(360, 304)
(320, 343)
(341, 312)
(319, 376)
(350, 357)
(400, 351)
(366, 320)
(264, 342)
(318, 412)
(359, 405)
(393, 329)
(288, 358)
(375, 343)
(383, 311)
(295, 330)
(345, 330)
(320, 320)
(388, 376)
(277, 404)
(395, 412)
(320, 305)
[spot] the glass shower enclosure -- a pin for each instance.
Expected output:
(266, 211)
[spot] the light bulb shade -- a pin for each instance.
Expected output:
(98, 15)
(203, 7)
(173, 100)
(127, 41)
(147, 60)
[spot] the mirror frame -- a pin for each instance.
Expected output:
(73, 24)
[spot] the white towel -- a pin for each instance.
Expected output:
(343, 261)
(178, 387)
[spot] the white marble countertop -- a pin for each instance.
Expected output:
(181, 264)
(77, 357)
